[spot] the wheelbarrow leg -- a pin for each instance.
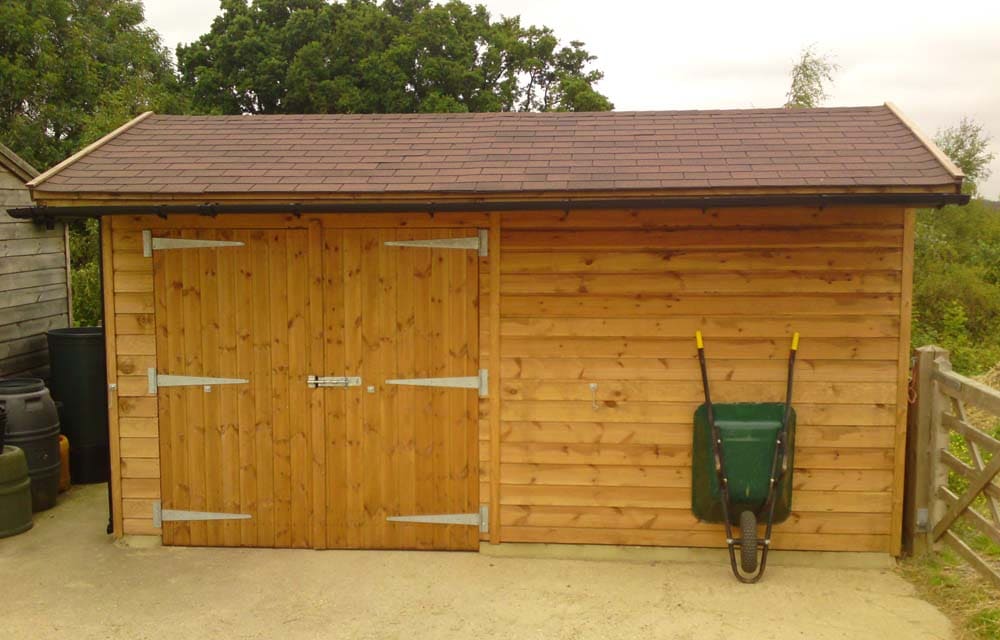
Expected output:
(748, 542)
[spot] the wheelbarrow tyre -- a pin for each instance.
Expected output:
(748, 541)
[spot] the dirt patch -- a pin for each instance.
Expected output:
(65, 578)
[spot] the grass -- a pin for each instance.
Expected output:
(949, 583)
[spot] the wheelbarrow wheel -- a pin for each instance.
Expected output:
(748, 541)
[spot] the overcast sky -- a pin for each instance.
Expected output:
(937, 62)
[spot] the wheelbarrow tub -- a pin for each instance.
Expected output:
(749, 432)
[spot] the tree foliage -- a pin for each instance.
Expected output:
(956, 279)
(70, 70)
(956, 288)
(400, 56)
(809, 77)
(968, 145)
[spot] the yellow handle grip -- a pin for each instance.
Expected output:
(698, 341)
(795, 341)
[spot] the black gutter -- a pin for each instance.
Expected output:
(47, 214)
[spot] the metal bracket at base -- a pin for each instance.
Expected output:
(481, 519)
(161, 515)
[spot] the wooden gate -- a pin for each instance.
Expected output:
(321, 467)
(400, 312)
(944, 441)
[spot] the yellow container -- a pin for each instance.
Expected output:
(64, 463)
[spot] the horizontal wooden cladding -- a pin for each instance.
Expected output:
(140, 526)
(678, 519)
(805, 392)
(31, 246)
(141, 467)
(857, 215)
(134, 324)
(738, 282)
(681, 412)
(134, 302)
(290, 221)
(680, 498)
(778, 237)
(133, 282)
(33, 295)
(33, 263)
(659, 476)
(685, 369)
(644, 305)
(25, 312)
(685, 326)
(135, 364)
(701, 260)
(809, 458)
(674, 538)
(673, 434)
(727, 348)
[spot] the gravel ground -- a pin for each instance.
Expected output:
(66, 579)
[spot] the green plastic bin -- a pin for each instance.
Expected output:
(749, 433)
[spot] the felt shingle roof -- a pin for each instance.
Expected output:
(503, 153)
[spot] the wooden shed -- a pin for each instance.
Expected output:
(318, 324)
(34, 276)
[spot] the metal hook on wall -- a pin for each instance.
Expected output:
(593, 395)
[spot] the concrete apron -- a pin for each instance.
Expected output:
(613, 553)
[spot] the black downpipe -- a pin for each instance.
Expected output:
(104, 324)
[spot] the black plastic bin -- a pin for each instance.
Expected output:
(80, 383)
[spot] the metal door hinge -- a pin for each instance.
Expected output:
(151, 244)
(157, 380)
(479, 242)
(161, 515)
(317, 382)
(480, 382)
(481, 519)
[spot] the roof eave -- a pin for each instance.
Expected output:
(511, 204)
(953, 170)
(90, 148)
(16, 164)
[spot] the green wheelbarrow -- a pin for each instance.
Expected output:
(742, 468)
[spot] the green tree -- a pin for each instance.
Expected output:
(968, 146)
(71, 70)
(956, 288)
(809, 77)
(400, 56)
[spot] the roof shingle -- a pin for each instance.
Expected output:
(508, 152)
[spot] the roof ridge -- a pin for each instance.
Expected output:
(521, 114)
(90, 148)
(931, 146)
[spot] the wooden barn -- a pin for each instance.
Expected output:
(322, 329)
(34, 276)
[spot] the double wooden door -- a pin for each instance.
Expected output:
(264, 309)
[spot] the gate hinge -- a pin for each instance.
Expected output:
(480, 242)
(481, 519)
(151, 244)
(479, 382)
(161, 515)
(156, 380)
